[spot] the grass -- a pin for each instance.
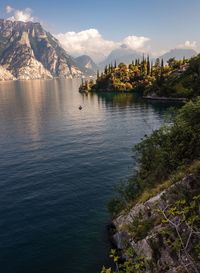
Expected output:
(177, 176)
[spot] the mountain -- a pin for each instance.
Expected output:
(124, 54)
(27, 51)
(87, 64)
(178, 53)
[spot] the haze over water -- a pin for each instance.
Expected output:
(58, 168)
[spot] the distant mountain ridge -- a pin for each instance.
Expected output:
(178, 53)
(123, 54)
(87, 65)
(27, 51)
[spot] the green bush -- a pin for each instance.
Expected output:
(162, 154)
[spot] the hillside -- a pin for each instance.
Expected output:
(123, 54)
(182, 81)
(178, 79)
(178, 54)
(156, 225)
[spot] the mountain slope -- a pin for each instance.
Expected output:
(178, 54)
(87, 64)
(123, 54)
(29, 52)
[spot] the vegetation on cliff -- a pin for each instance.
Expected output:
(164, 155)
(183, 81)
(165, 227)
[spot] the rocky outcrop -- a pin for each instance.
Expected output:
(30, 52)
(5, 75)
(143, 230)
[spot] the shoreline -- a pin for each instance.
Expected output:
(164, 98)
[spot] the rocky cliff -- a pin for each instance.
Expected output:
(27, 51)
(160, 231)
(5, 75)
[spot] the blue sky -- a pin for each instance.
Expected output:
(166, 23)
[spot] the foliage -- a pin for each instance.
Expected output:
(182, 220)
(133, 263)
(164, 153)
(139, 228)
(183, 80)
(139, 75)
(180, 232)
(176, 79)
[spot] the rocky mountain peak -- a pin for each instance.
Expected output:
(28, 51)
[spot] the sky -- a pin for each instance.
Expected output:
(96, 27)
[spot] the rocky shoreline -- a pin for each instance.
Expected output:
(152, 242)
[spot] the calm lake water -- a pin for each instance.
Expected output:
(58, 168)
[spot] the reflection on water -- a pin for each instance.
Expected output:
(58, 168)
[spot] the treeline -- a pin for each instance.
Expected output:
(182, 81)
(139, 75)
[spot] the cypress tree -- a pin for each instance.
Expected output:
(97, 74)
(151, 68)
(148, 65)
(136, 62)
(106, 70)
(161, 70)
(162, 64)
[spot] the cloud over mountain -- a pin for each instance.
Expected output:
(24, 15)
(188, 45)
(92, 43)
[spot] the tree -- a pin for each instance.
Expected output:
(97, 74)
(106, 70)
(148, 65)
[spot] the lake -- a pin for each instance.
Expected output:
(58, 168)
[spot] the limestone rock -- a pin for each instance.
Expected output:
(153, 245)
(5, 75)
(30, 52)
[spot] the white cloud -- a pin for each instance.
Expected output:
(188, 44)
(135, 42)
(19, 15)
(9, 9)
(88, 42)
(92, 43)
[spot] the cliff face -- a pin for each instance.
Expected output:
(5, 75)
(148, 233)
(27, 51)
